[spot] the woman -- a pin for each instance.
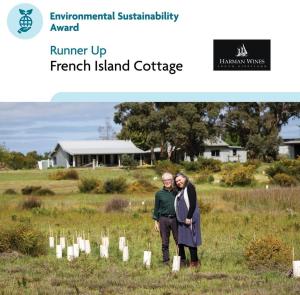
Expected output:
(188, 217)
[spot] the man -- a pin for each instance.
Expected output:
(164, 214)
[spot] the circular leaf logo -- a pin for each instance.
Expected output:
(25, 21)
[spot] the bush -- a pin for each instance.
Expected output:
(10, 191)
(191, 166)
(209, 164)
(4, 241)
(268, 253)
(210, 178)
(284, 180)
(43, 192)
(24, 239)
(28, 190)
(141, 185)
(253, 162)
(166, 166)
(128, 161)
(116, 205)
(237, 175)
(87, 185)
(287, 166)
(31, 203)
(64, 175)
(115, 185)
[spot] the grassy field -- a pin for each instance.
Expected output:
(237, 216)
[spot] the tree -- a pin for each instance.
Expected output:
(106, 131)
(4, 153)
(140, 123)
(170, 126)
(256, 126)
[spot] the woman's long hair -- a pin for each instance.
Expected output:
(186, 180)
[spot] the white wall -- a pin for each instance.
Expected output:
(287, 150)
(226, 154)
(62, 158)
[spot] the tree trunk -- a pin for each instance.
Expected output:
(153, 160)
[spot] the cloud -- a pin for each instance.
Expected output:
(38, 126)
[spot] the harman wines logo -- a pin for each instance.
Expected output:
(242, 55)
(242, 51)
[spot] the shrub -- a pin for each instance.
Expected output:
(284, 180)
(191, 166)
(253, 162)
(116, 205)
(4, 241)
(10, 191)
(237, 175)
(87, 185)
(209, 164)
(115, 185)
(141, 185)
(43, 192)
(64, 175)
(287, 166)
(31, 203)
(166, 166)
(268, 253)
(22, 238)
(28, 190)
(210, 178)
(128, 161)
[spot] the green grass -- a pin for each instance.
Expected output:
(226, 231)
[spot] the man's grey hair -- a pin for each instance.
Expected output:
(167, 175)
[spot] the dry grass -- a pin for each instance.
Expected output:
(226, 231)
(275, 198)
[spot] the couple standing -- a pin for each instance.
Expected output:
(176, 210)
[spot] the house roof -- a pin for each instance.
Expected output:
(292, 142)
(215, 142)
(94, 147)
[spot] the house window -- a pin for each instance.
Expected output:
(215, 153)
(234, 152)
(54, 161)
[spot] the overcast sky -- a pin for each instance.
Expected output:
(39, 126)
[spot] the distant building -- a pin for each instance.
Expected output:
(45, 164)
(95, 153)
(220, 150)
(290, 148)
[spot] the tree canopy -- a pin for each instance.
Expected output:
(254, 126)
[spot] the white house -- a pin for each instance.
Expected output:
(95, 153)
(290, 148)
(220, 150)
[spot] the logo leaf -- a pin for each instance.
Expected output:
(22, 11)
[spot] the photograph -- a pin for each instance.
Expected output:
(150, 198)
